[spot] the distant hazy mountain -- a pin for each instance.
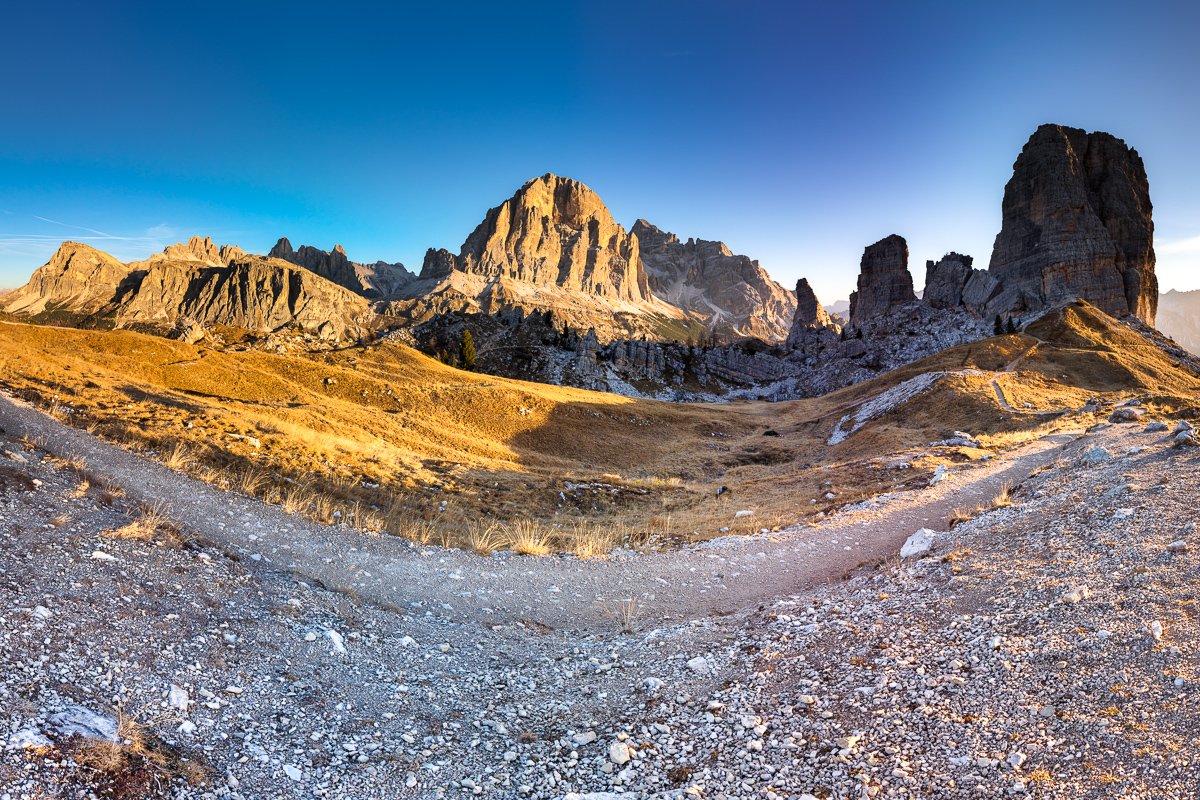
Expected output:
(1179, 317)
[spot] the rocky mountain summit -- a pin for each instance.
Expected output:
(552, 246)
(731, 293)
(186, 288)
(78, 277)
(1077, 222)
(557, 231)
(377, 281)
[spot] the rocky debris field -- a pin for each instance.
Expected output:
(1047, 648)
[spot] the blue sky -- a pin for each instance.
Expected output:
(796, 132)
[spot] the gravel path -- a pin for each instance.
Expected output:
(718, 577)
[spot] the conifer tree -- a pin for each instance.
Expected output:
(468, 350)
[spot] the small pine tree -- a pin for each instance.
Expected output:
(1010, 327)
(998, 326)
(468, 350)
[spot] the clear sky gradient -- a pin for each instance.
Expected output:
(796, 132)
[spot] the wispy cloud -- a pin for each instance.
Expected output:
(18, 247)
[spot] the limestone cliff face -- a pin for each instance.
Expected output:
(1077, 222)
(732, 293)
(556, 231)
(378, 281)
(77, 278)
(883, 280)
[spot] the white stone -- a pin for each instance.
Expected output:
(919, 543)
(177, 698)
(292, 772)
(1077, 595)
(619, 753)
(699, 665)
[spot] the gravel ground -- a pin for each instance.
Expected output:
(724, 576)
(1047, 649)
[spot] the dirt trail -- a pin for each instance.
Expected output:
(721, 576)
(1011, 366)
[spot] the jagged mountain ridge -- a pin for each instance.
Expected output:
(191, 283)
(732, 293)
(377, 281)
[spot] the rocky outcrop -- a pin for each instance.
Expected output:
(556, 231)
(809, 311)
(77, 278)
(377, 281)
(812, 323)
(1076, 223)
(733, 294)
(946, 279)
(196, 250)
(883, 281)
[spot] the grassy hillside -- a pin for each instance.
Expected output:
(384, 436)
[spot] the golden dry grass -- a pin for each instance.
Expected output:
(527, 538)
(383, 426)
(178, 457)
(151, 524)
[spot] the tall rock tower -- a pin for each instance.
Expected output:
(1077, 223)
(884, 281)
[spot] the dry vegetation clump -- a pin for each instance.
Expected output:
(1004, 497)
(960, 515)
(138, 765)
(626, 614)
(178, 458)
(591, 539)
(527, 538)
(150, 525)
(485, 538)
